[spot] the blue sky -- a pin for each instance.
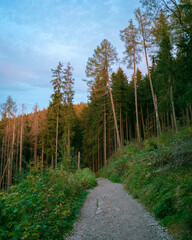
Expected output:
(37, 34)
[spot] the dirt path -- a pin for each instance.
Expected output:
(110, 213)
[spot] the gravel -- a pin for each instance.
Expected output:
(110, 213)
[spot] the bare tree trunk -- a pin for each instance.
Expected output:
(57, 126)
(21, 140)
(8, 152)
(147, 118)
(142, 119)
(69, 142)
(109, 144)
(52, 162)
(6, 143)
(47, 161)
(2, 156)
(79, 159)
(98, 153)
(167, 119)
(17, 151)
(35, 134)
(173, 108)
(115, 141)
(190, 110)
(187, 115)
(130, 133)
(127, 130)
(136, 108)
(10, 159)
(152, 91)
(42, 156)
(35, 152)
(114, 115)
(93, 164)
(104, 138)
(121, 129)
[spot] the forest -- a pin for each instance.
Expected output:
(120, 109)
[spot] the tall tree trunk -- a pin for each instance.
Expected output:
(42, 156)
(142, 119)
(93, 164)
(98, 152)
(187, 115)
(79, 159)
(135, 88)
(21, 142)
(104, 138)
(130, 131)
(2, 157)
(173, 108)
(109, 144)
(168, 119)
(127, 130)
(47, 162)
(113, 108)
(52, 161)
(190, 110)
(35, 134)
(115, 141)
(69, 142)
(10, 160)
(17, 151)
(121, 128)
(56, 145)
(152, 91)
(35, 152)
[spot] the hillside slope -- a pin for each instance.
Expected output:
(158, 172)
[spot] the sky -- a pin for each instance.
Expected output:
(37, 34)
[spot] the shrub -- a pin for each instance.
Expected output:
(43, 206)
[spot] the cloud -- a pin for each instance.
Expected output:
(36, 35)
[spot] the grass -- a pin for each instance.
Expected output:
(45, 205)
(158, 172)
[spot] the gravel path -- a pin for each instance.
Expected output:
(110, 213)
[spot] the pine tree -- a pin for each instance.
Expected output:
(164, 62)
(119, 86)
(56, 106)
(132, 45)
(99, 66)
(145, 32)
(68, 100)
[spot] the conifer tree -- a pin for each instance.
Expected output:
(164, 61)
(119, 85)
(132, 45)
(56, 105)
(99, 66)
(68, 100)
(145, 32)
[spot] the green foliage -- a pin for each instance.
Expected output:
(158, 172)
(45, 205)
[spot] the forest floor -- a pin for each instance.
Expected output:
(110, 213)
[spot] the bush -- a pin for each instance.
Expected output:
(44, 206)
(158, 172)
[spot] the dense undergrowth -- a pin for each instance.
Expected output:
(44, 205)
(158, 172)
